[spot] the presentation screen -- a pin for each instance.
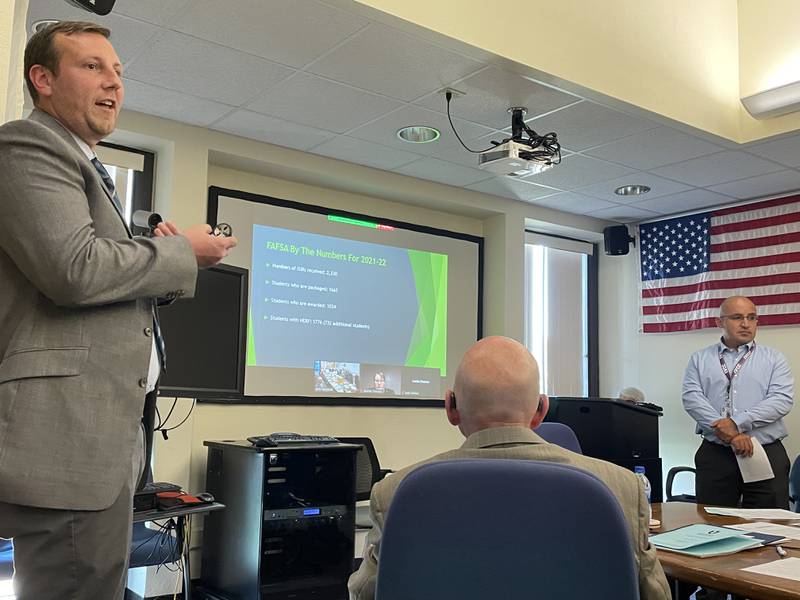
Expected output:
(347, 307)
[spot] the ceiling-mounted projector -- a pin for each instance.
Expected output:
(507, 159)
(524, 153)
(98, 7)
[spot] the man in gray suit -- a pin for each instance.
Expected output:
(79, 335)
(497, 387)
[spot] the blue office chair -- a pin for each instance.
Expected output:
(560, 435)
(489, 528)
(794, 485)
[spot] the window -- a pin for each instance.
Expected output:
(132, 171)
(559, 301)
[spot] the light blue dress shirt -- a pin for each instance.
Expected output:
(762, 393)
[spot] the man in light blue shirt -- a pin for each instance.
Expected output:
(739, 391)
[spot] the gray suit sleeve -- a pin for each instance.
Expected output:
(49, 231)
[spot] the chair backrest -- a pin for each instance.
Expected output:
(492, 528)
(368, 469)
(794, 485)
(559, 434)
(670, 480)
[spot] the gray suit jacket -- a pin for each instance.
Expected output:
(522, 443)
(75, 322)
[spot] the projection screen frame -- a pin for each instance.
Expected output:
(214, 193)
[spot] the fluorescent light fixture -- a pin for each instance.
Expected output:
(775, 102)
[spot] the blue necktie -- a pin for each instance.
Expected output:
(108, 182)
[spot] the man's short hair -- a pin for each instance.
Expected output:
(41, 48)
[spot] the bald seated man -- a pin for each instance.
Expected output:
(738, 392)
(495, 405)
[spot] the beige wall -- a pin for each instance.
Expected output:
(12, 46)
(190, 159)
(655, 362)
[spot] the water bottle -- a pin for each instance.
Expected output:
(639, 471)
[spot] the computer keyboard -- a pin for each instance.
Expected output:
(286, 438)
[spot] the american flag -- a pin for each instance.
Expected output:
(690, 264)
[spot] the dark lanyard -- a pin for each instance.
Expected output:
(731, 374)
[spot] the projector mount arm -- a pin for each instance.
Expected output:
(543, 148)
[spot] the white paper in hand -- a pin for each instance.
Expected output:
(756, 467)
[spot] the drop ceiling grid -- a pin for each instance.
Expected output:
(332, 82)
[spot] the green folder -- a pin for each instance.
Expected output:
(703, 541)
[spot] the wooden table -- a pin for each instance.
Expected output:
(723, 572)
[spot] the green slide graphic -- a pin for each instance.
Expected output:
(251, 341)
(428, 347)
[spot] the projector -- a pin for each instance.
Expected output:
(506, 159)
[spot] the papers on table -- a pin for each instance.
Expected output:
(785, 531)
(788, 568)
(755, 467)
(754, 513)
(703, 540)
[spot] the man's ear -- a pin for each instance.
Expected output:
(541, 411)
(450, 408)
(718, 321)
(42, 79)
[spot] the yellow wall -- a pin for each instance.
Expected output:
(677, 58)
(12, 36)
(769, 56)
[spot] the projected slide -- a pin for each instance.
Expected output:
(363, 317)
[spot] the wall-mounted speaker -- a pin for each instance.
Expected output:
(616, 240)
(98, 7)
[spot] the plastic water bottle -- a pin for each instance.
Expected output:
(639, 471)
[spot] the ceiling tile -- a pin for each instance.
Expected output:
(763, 185)
(271, 130)
(490, 93)
(384, 130)
(696, 199)
(785, 150)
(577, 171)
(321, 103)
(364, 153)
(292, 32)
(574, 203)
(654, 148)
(160, 12)
(718, 168)
(658, 187)
(387, 61)
(623, 214)
(443, 172)
(509, 187)
(165, 103)
(128, 36)
(204, 69)
(587, 124)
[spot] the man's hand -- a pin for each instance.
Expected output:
(742, 445)
(725, 429)
(208, 249)
(165, 228)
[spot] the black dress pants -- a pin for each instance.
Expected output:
(719, 483)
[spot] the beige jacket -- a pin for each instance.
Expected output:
(522, 443)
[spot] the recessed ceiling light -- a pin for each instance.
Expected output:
(418, 134)
(631, 190)
(39, 25)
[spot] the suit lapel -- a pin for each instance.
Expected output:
(51, 122)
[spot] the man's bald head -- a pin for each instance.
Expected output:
(497, 384)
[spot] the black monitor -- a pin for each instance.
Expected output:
(205, 337)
